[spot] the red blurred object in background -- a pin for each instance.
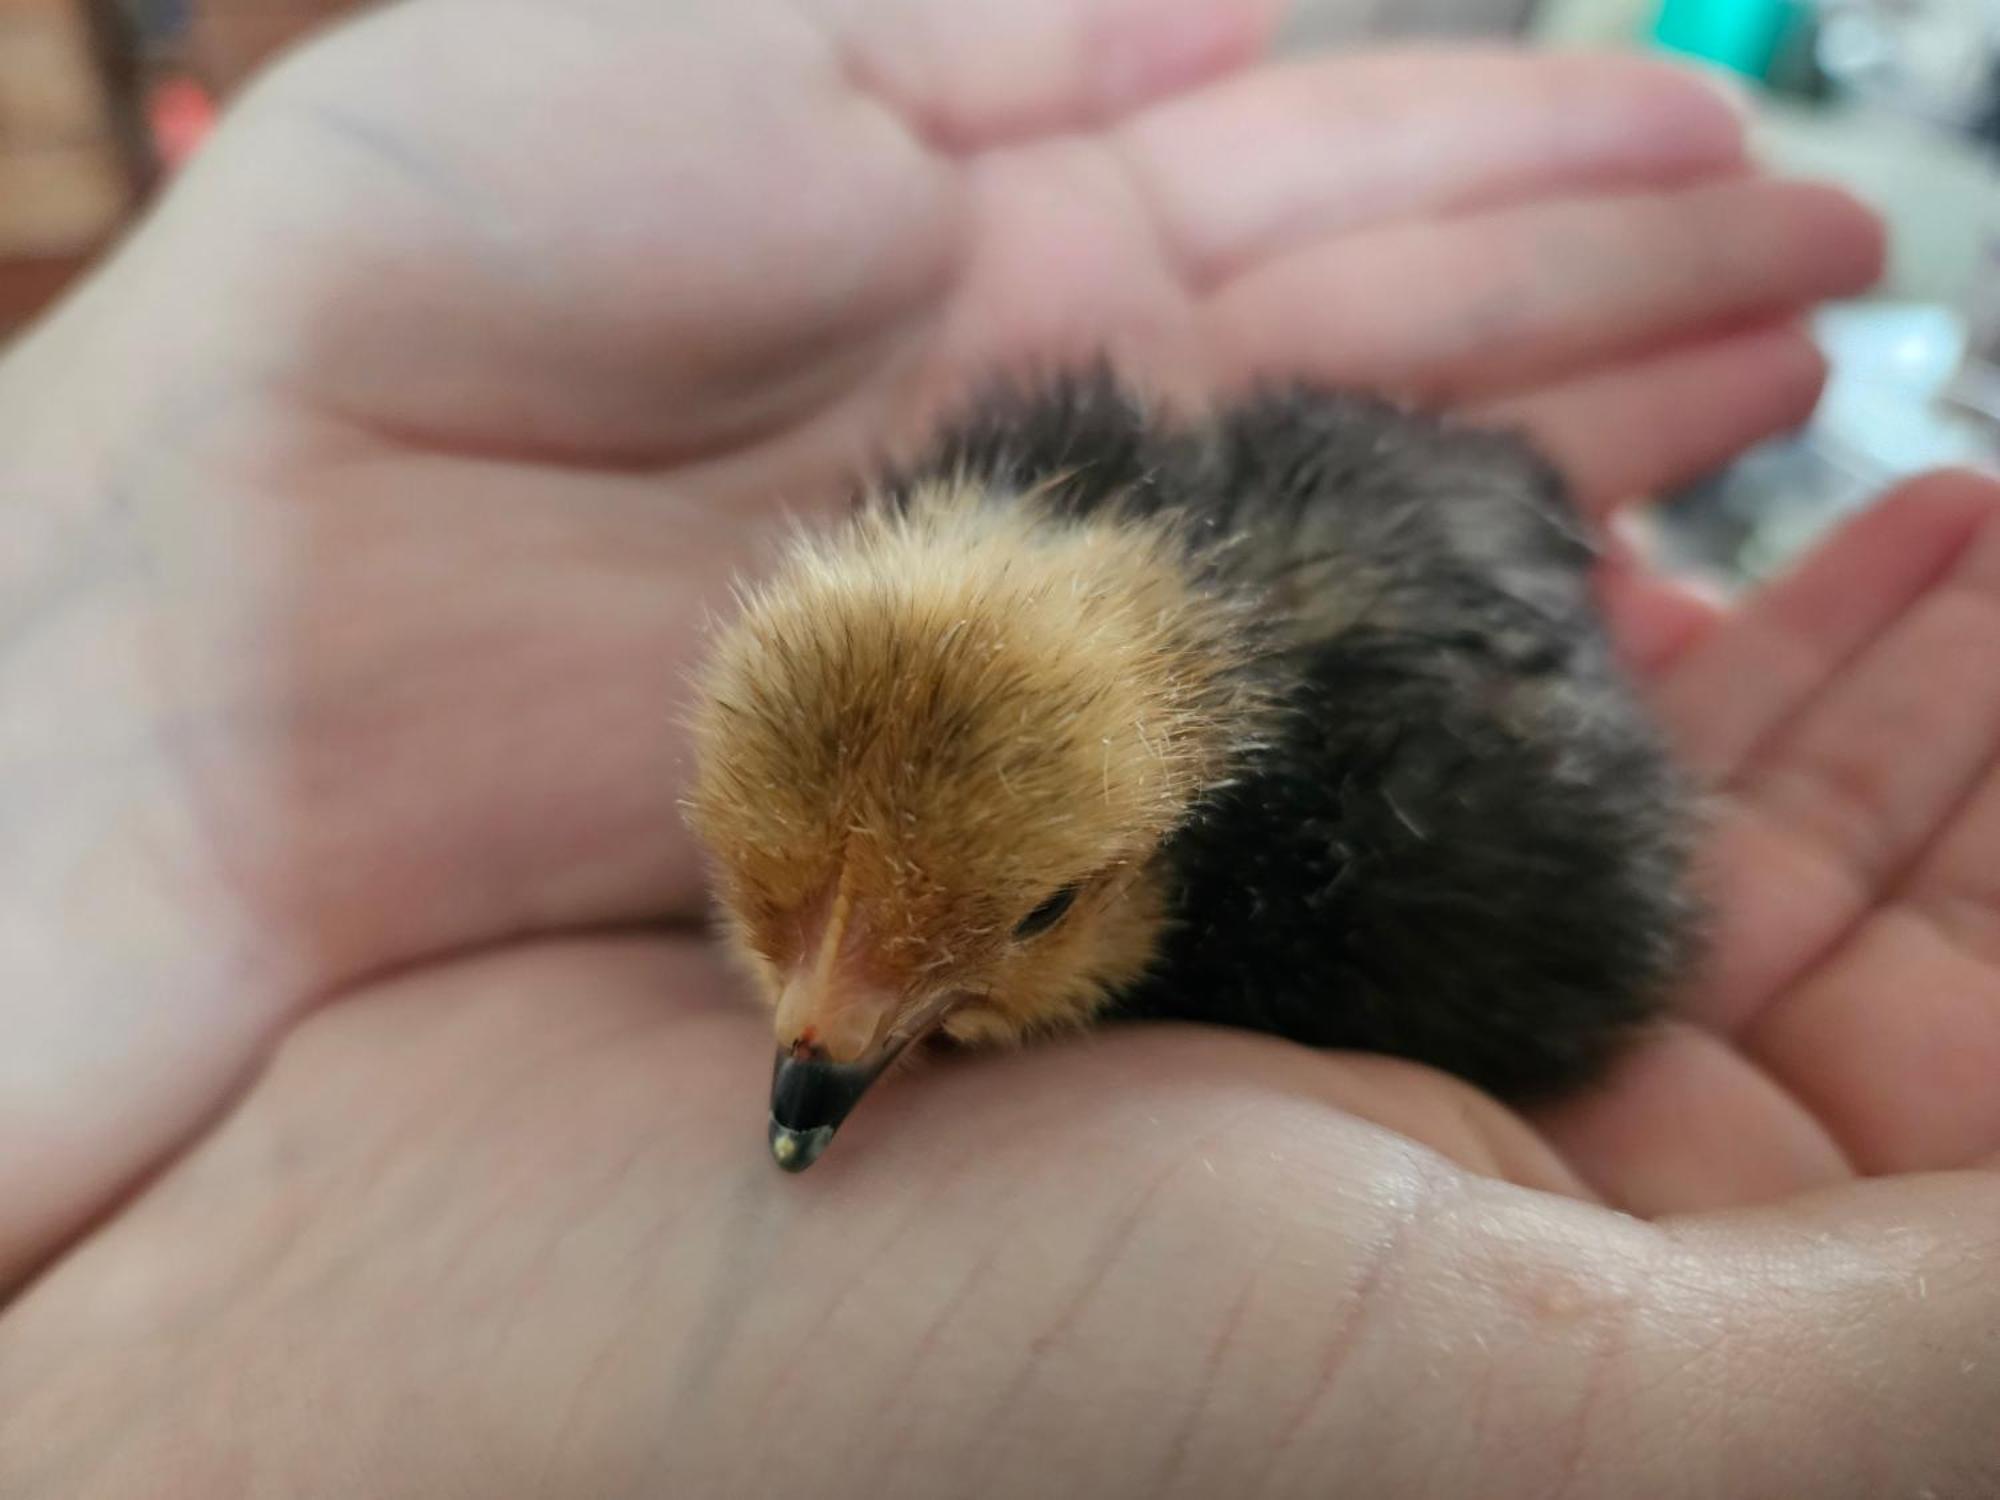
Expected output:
(180, 114)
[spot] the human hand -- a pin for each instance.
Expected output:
(1848, 723)
(375, 469)
(378, 486)
(505, 1225)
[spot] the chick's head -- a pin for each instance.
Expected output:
(937, 755)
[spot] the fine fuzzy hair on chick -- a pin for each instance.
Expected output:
(928, 722)
(1294, 716)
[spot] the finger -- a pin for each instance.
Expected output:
(1894, 1042)
(1653, 620)
(966, 1287)
(1686, 1123)
(1266, 163)
(1645, 427)
(970, 76)
(1490, 303)
(1886, 739)
(1800, 632)
(1894, 1036)
(1838, 1344)
(1445, 1114)
(1957, 885)
(1872, 766)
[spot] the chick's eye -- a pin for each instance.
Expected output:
(1045, 916)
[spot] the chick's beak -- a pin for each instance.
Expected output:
(829, 1052)
(810, 1096)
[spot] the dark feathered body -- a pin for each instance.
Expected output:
(1461, 841)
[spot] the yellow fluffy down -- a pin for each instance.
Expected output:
(941, 716)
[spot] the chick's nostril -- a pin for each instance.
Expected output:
(806, 1047)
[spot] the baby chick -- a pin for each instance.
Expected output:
(1296, 717)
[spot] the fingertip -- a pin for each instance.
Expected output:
(1660, 121)
(1724, 88)
(1646, 427)
(1911, 534)
(1786, 366)
(1653, 618)
(1842, 237)
(1797, 632)
(1708, 111)
(1804, 362)
(1790, 368)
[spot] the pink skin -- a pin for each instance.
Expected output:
(365, 509)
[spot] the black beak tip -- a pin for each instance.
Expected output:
(809, 1099)
(795, 1150)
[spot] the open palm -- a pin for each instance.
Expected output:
(1849, 1016)
(461, 373)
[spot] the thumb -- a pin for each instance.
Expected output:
(1844, 1343)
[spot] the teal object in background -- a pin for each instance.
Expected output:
(1742, 35)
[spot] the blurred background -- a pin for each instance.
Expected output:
(101, 101)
